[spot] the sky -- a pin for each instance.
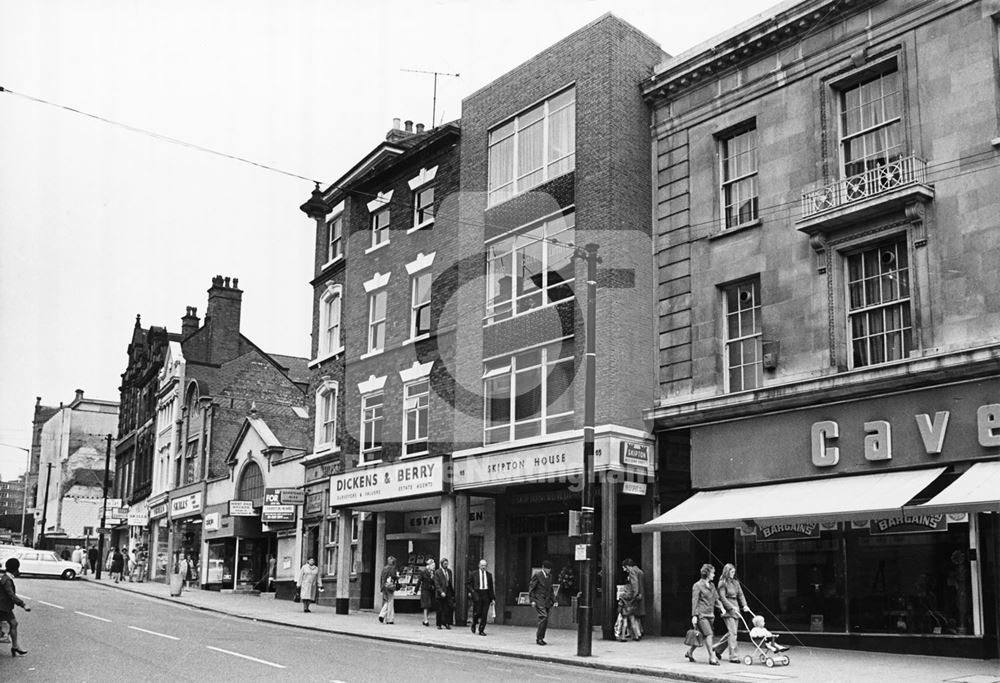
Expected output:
(99, 223)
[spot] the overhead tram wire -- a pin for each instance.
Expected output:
(701, 230)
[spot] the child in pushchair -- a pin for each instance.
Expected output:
(766, 646)
(627, 624)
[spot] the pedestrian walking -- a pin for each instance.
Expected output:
(77, 557)
(479, 586)
(425, 584)
(272, 573)
(117, 565)
(93, 557)
(444, 593)
(624, 624)
(8, 598)
(307, 582)
(731, 597)
(542, 599)
(389, 581)
(637, 579)
(704, 601)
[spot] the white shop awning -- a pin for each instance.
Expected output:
(864, 496)
(978, 488)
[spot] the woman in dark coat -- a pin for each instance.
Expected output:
(117, 565)
(426, 585)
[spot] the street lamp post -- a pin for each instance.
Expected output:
(45, 506)
(104, 511)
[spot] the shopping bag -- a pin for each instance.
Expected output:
(297, 597)
(491, 615)
(693, 638)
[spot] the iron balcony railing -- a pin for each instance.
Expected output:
(879, 180)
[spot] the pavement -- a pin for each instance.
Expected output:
(653, 656)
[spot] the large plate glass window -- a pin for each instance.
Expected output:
(529, 393)
(530, 269)
(533, 147)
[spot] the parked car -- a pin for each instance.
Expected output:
(46, 563)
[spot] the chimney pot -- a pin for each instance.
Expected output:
(408, 126)
(420, 128)
(79, 394)
(396, 124)
(236, 283)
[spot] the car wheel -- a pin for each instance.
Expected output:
(69, 574)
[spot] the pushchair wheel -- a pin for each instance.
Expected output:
(748, 660)
(769, 663)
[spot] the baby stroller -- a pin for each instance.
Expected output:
(766, 648)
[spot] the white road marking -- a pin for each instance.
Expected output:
(498, 668)
(762, 677)
(84, 614)
(22, 595)
(154, 633)
(551, 678)
(42, 602)
(252, 659)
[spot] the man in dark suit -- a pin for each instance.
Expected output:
(444, 594)
(542, 599)
(480, 588)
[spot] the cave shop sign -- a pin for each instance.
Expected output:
(404, 479)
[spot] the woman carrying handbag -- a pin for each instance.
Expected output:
(704, 600)
(307, 582)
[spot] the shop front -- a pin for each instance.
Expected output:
(186, 529)
(159, 541)
(534, 489)
(869, 524)
(319, 525)
(238, 548)
(414, 520)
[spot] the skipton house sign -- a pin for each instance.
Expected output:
(386, 482)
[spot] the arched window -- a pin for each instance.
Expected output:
(251, 486)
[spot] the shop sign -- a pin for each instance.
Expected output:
(906, 524)
(636, 454)
(120, 512)
(292, 496)
(429, 521)
(321, 470)
(285, 533)
(213, 521)
(385, 482)
(536, 498)
(158, 511)
(277, 513)
(138, 517)
(185, 505)
(634, 488)
(241, 508)
(314, 503)
(788, 531)
(561, 463)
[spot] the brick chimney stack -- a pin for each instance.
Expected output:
(397, 133)
(222, 317)
(190, 322)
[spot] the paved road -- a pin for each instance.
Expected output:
(81, 632)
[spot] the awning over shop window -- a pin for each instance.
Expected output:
(976, 489)
(864, 496)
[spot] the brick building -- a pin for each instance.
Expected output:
(201, 385)
(826, 233)
(383, 340)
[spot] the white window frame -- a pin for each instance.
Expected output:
(374, 323)
(506, 366)
(747, 295)
(333, 543)
(556, 228)
(417, 306)
(334, 239)
(325, 348)
(728, 186)
(372, 413)
(416, 404)
(870, 73)
(884, 277)
(379, 229)
(323, 392)
(511, 128)
(423, 213)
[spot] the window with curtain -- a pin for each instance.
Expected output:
(871, 121)
(533, 147)
(529, 393)
(741, 309)
(738, 153)
(531, 269)
(879, 316)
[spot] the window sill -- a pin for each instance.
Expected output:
(332, 262)
(518, 193)
(487, 322)
(423, 225)
(376, 247)
(735, 229)
(411, 340)
(324, 449)
(421, 454)
(371, 354)
(367, 463)
(319, 359)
